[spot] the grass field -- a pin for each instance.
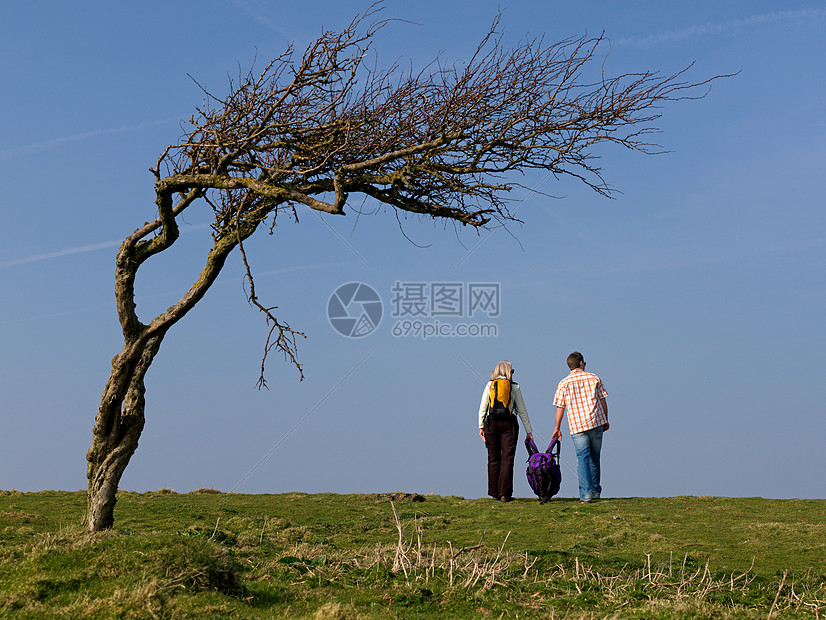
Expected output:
(206, 554)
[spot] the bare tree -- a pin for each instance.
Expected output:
(442, 143)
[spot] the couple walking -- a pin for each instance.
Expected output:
(581, 394)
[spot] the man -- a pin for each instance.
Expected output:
(583, 396)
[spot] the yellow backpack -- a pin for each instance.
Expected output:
(500, 397)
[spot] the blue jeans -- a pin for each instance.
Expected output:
(588, 445)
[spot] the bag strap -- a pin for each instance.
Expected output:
(530, 446)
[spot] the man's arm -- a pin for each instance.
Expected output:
(602, 400)
(560, 413)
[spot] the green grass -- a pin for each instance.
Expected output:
(202, 554)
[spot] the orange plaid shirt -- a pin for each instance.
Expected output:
(580, 393)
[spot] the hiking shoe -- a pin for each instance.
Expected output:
(505, 498)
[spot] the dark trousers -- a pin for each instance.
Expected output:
(500, 440)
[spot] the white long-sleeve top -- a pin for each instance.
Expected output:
(517, 406)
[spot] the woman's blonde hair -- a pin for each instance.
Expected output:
(503, 369)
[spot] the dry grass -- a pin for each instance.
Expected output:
(192, 555)
(671, 587)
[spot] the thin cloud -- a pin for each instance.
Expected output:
(659, 264)
(59, 253)
(264, 15)
(141, 299)
(81, 249)
(719, 28)
(746, 255)
(277, 272)
(46, 145)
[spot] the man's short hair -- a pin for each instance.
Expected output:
(575, 359)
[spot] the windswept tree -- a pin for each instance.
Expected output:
(444, 142)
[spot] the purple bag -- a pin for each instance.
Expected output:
(544, 473)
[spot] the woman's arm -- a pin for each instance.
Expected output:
(483, 410)
(521, 409)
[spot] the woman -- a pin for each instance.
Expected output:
(501, 403)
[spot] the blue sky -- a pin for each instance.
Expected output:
(697, 293)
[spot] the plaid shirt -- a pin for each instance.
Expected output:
(580, 393)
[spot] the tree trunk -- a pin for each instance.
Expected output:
(120, 418)
(118, 427)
